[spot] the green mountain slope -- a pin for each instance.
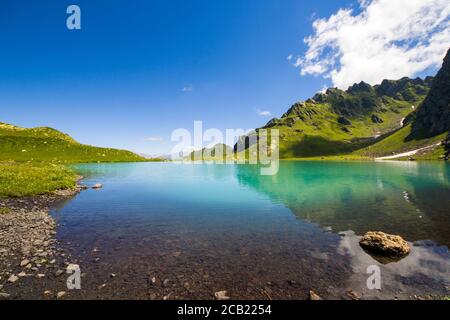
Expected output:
(429, 126)
(433, 116)
(340, 122)
(218, 152)
(47, 144)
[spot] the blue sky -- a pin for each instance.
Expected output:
(120, 79)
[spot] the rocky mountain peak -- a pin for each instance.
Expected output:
(433, 115)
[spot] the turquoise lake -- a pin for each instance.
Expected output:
(206, 228)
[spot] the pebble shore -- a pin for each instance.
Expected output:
(28, 247)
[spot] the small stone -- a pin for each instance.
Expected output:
(165, 283)
(4, 295)
(112, 275)
(22, 274)
(221, 295)
(101, 286)
(13, 279)
(24, 263)
(72, 267)
(97, 186)
(60, 294)
(40, 275)
(353, 295)
(59, 272)
(28, 266)
(314, 296)
(47, 292)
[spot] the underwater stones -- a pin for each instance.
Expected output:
(385, 245)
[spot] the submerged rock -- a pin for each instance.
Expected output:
(24, 262)
(13, 278)
(385, 245)
(4, 295)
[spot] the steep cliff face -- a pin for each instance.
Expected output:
(433, 115)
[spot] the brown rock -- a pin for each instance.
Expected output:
(385, 244)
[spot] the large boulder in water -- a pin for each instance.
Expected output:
(385, 245)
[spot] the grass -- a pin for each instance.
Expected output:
(50, 145)
(400, 142)
(5, 210)
(31, 160)
(31, 179)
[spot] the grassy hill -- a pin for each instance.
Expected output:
(340, 122)
(31, 160)
(47, 144)
(401, 141)
(218, 152)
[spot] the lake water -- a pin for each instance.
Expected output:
(206, 228)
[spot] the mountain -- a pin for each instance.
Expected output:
(427, 126)
(433, 116)
(341, 122)
(47, 144)
(210, 153)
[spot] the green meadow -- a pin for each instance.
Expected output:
(34, 161)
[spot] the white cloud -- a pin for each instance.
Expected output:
(384, 39)
(264, 113)
(324, 89)
(188, 88)
(154, 139)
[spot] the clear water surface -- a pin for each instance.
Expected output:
(206, 228)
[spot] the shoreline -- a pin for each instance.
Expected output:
(29, 251)
(45, 279)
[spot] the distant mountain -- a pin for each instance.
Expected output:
(47, 144)
(339, 122)
(210, 153)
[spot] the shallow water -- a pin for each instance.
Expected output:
(207, 228)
